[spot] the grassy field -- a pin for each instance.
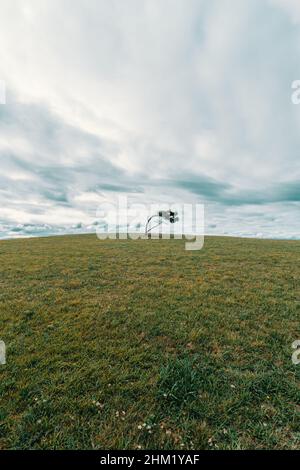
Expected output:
(141, 344)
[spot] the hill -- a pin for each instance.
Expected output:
(141, 344)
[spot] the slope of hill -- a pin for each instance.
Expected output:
(141, 344)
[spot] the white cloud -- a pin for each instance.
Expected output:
(291, 7)
(129, 94)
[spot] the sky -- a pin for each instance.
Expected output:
(177, 101)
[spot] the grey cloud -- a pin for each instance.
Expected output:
(223, 193)
(281, 192)
(40, 168)
(118, 188)
(203, 186)
(197, 105)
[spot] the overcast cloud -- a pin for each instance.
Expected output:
(179, 100)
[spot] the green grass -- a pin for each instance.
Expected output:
(141, 344)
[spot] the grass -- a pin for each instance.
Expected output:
(141, 344)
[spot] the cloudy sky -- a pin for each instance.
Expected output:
(161, 100)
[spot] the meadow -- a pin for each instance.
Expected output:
(143, 345)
